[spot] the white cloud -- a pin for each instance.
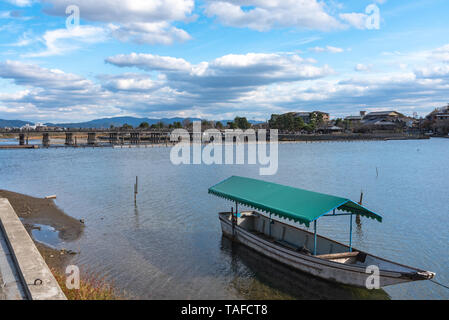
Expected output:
(34, 76)
(435, 71)
(209, 87)
(329, 49)
(240, 72)
(25, 40)
(253, 84)
(400, 91)
(440, 54)
(360, 67)
(21, 3)
(357, 20)
(131, 82)
(52, 93)
(125, 11)
(5, 14)
(263, 15)
(149, 62)
(14, 14)
(180, 85)
(149, 33)
(61, 41)
(141, 21)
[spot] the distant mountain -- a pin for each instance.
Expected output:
(225, 122)
(13, 123)
(105, 123)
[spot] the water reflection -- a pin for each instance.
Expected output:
(46, 234)
(170, 246)
(269, 279)
(358, 230)
(136, 217)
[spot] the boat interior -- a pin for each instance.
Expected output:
(302, 241)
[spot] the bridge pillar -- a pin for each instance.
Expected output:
(45, 139)
(91, 138)
(135, 137)
(21, 139)
(68, 138)
(113, 137)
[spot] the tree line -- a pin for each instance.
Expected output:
(238, 123)
(289, 122)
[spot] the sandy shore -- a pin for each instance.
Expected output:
(34, 211)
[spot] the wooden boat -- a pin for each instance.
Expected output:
(301, 249)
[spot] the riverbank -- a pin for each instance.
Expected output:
(350, 137)
(81, 138)
(21, 263)
(34, 212)
(37, 212)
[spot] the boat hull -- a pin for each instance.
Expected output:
(328, 270)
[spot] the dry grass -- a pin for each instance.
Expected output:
(92, 287)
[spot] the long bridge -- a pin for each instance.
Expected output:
(94, 137)
(102, 137)
(136, 137)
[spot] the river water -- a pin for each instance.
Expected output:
(169, 245)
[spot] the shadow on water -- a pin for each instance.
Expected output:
(136, 217)
(272, 280)
(46, 235)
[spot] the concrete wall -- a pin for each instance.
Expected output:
(11, 287)
(36, 278)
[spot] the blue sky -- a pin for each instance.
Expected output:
(217, 59)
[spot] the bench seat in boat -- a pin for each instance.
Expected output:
(345, 257)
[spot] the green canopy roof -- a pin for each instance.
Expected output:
(292, 203)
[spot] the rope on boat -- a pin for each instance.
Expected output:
(440, 284)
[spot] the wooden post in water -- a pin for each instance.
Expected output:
(136, 190)
(233, 222)
(45, 140)
(350, 234)
(357, 217)
(21, 139)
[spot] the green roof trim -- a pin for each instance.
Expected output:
(291, 203)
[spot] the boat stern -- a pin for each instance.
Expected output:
(422, 275)
(226, 226)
